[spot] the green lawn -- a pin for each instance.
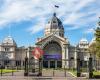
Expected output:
(74, 72)
(96, 73)
(7, 71)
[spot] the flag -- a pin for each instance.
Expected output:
(56, 6)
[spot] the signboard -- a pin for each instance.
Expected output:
(37, 52)
(52, 56)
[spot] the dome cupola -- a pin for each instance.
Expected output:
(83, 43)
(54, 25)
(9, 41)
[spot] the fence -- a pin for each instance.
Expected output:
(41, 66)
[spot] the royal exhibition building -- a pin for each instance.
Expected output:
(54, 44)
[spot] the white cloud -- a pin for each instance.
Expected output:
(91, 30)
(30, 10)
(39, 26)
(74, 16)
(36, 28)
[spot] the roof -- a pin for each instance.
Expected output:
(55, 22)
(65, 40)
(9, 40)
(83, 41)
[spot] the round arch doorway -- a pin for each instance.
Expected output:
(52, 55)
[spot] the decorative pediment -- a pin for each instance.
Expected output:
(52, 38)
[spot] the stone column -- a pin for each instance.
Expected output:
(55, 63)
(65, 56)
(75, 58)
(48, 63)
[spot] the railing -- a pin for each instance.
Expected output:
(55, 65)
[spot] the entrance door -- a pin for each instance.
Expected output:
(45, 64)
(59, 64)
(52, 64)
(52, 53)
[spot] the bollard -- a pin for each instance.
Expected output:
(78, 68)
(65, 70)
(40, 67)
(90, 68)
(1, 69)
(53, 72)
(12, 71)
(26, 67)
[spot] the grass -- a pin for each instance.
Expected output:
(96, 73)
(7, 71)
(74, 72)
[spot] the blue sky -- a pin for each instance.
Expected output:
(27, 19)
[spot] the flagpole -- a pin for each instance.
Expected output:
(55, 9)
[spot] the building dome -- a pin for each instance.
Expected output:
(54, 25)
(55, 22)
(83, 41)
(9, 40)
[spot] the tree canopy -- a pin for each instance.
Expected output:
(97, 34)
(94, 48)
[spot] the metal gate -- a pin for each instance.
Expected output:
(87, 68)
(33, 67)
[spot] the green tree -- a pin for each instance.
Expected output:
(97, 34)
(92, 48)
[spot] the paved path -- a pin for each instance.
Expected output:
(47, 75)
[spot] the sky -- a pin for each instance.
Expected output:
(25, 20)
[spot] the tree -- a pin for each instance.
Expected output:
(92, 48)
(97, 34)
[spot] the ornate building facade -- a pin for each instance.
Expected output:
(55, 45)
(10, 54)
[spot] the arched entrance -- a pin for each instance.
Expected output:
(52, 55)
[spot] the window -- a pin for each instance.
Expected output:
(72, 58)
(7, 49)
(48, 22)
(54, 21)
